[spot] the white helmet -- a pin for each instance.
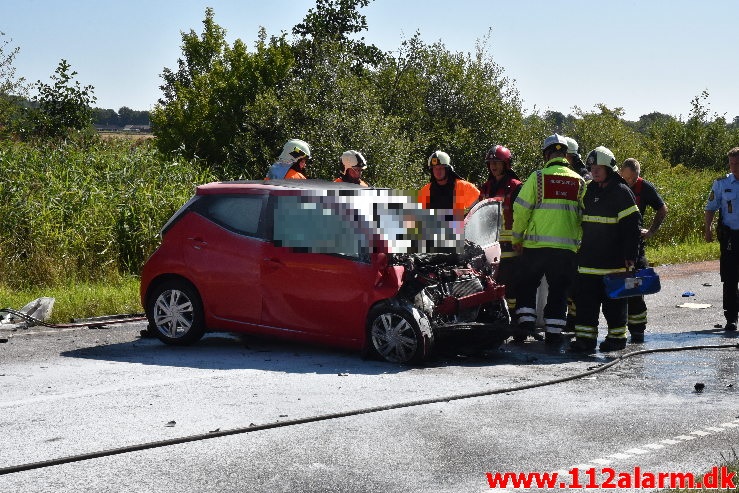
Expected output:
(294, 150)
(557, 141)
(572, 146)
(602, 156)
(353, 159)
(440, 158)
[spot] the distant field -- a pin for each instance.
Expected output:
(126, 135)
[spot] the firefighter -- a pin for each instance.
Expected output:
(503, 183)
(446, 190)
(723, 198)
(546, 232)
(611, 231)
(292, 161)
(573, 157)
(645, 195)
(352, 163)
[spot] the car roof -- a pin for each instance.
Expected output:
(265, 186)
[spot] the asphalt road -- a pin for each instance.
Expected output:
(79, 391)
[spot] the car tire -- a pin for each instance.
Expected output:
(175, 313)
(399, 334)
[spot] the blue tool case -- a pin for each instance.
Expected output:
(633, 283)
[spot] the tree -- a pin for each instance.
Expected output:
(207, 101)
(333, 22)
(12, 90)
(63, 107)
(700, 142)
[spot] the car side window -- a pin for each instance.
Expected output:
(313, 227)
(238, 213)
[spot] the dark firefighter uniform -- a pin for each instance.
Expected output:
(646, 196)
(611, 233)
(724, 197)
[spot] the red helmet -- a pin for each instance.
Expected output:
(499, 153)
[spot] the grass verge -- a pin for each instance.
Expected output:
(81, 300)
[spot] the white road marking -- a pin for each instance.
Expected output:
(729, 426)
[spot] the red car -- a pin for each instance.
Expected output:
(326, 262)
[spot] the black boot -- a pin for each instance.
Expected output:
(553, 338)
(613, 344)
(637, 332)
(523, 331)
(583, 345)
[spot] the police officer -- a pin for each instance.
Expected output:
(724, 197)
(646, 195)
(546, 232)
(446, 190)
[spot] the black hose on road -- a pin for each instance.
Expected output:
(97, 322)
(356, 412)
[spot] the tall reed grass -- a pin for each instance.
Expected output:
(90, 212)
(75, 212)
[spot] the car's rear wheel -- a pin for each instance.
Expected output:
(175, 313)
(396, 334)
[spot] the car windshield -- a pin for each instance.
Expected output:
(351, 221)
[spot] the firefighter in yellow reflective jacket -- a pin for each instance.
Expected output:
(611, 227)
(546, 231)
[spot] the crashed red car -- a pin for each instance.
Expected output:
(329, 263)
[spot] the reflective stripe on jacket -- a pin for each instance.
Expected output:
(548, 210)
(610, 229)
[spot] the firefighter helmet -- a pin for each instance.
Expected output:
(440, 158)
(572, 146)
(602, 156)
(353, 159)
(294, 150)
(499, 153)
(555, 141)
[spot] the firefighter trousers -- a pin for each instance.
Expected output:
(590, 296)
(558, 265)
(637, 321)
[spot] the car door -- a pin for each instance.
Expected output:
(315, 277)
(224, 251)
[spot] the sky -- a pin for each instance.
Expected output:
(642, 56)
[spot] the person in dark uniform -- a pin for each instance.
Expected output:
(646, 195)
(611, 226)
(724, 197)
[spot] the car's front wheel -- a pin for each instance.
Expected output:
(399, 334)
(175, 313)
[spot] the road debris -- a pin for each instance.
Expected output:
(694, 306)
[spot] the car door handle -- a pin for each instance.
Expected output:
(198, 243)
